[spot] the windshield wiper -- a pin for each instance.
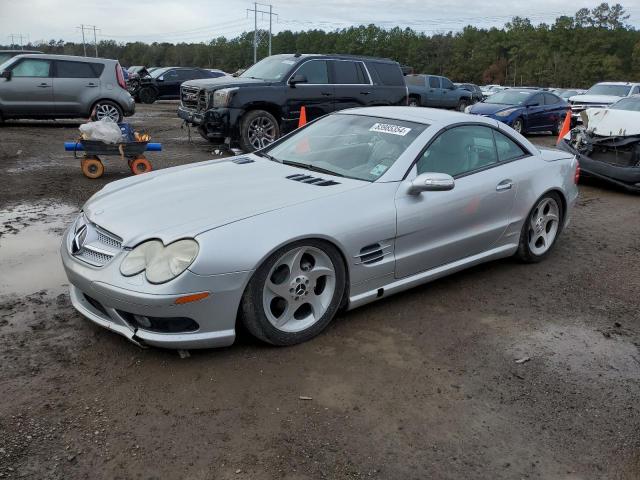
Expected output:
(267, 156)
(313, 168)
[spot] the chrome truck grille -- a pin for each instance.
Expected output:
(193, 98)
(93, 244)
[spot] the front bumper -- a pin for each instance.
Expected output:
(102, 297)
(216, 123)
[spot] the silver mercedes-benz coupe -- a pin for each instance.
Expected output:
(351, 208)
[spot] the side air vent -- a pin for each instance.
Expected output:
(321, 182)
(372, 253)
(242, 160)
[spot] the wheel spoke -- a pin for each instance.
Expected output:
(318, 272)
(286, 316)
(294, 262)
(279, 289)
(316, 305)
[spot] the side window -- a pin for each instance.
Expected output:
(550, 99)
(635, 90)
(315, 71)
(387, 73)
(459, 150)
(170, 76)
(434, 82)
(32, 67)
(186, 74)
(347, 72)
(535, 100)
(446, 83)
(66, 69)
(507, 148)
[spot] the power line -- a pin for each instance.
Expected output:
(13, 36)
(256, 33)
(95, 38)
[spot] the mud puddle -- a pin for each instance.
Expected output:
(30, 237)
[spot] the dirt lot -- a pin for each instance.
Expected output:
(421, 385)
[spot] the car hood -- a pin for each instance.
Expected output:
(224, 82)
(606, 122)
(185, 201)
(482, 108)
(604, 99)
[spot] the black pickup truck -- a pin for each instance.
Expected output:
(264, 102)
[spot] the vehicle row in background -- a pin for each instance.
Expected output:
(264, 102)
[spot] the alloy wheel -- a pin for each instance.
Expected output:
(299, 289)
(543, 226)
(105, 110)
(261, 132)
(517, 125)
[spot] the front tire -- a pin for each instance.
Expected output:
(148, 95)
(258, 128)
(462, 104)
(295, 293)
(541, 229)
(518, 126)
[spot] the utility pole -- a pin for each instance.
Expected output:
(13, 37)
(256, 33)
(84, 44)
(95, 40)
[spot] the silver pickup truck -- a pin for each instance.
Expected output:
(436, 91)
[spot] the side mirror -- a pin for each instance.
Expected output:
(6, 74)
(297, 79)
(431, 182)
(160, 78)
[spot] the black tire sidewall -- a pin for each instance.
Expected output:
(152, 95)
(252, 310)
(462, 104)
(524, 253)
(248, 117)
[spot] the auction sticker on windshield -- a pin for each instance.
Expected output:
(389, 128)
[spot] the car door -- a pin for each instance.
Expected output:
(30, 89)
(315, 94)
(352, 85)
(535, 113)
(449, 93)
(76, 86)
(438, 228)
(168, 83)
(434, 92)
(555, 109)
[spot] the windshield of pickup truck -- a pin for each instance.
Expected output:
(272, 68)
(509, 97)
(615, 90)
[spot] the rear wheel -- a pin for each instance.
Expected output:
(107, 109)
(295, 293)
(414, 102)
(541, 229)
(258, 129)
(148, 95)
(557, 128)
(462, 104)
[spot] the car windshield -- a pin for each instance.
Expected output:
(631, 104)
(272, 68)
(568, 93)
(615, 90)
(509, 97)
(354, 146)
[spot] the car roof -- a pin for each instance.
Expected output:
(618, 83)
(429, 116)
(338, 56)
(48, 56)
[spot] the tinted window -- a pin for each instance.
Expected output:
(615, 90)
(387, 73)
(635, 90)
(434, 82)
(186, 74)
(416, 80)
(31, 67)
(550, 99)
(66, 69)
(629, 103)
(315, 71)
(507, 148)
(346, 72)
(446, 83)
(509, 97)
(459, 150)
(535, 100)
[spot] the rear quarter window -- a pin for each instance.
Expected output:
(66, 69)
(386, 73)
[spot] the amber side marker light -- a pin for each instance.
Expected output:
(191, 298)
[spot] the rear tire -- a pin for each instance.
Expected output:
(148, 95)
(541, 229)
(258, 128)
(462, 104)
(295, 293)
(557, 128)
(107, 109)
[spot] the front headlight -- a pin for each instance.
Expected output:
(222, 97)
(506, 113)
(160, 263)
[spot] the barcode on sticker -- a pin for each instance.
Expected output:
(388, 128)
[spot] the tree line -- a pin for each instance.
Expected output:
(593, 45)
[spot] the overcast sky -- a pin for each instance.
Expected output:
(201, 20)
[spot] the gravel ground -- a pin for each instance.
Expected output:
(424, 384)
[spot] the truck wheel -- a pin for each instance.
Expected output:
(414, 102)
(258, 129)
(462, 104)
(148, 95)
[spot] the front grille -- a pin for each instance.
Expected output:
(193, 98)
(97, 247)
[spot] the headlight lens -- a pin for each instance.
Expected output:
(222, 97)
(506, 113)
(160, 263)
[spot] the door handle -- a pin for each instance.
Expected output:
(504, 185)
(44, 85)
(91, 85)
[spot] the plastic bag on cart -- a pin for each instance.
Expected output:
(105, 130)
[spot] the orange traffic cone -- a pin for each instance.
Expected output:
(566, 127)
(303, 117)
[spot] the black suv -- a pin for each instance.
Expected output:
(264, 102)
(164, 83)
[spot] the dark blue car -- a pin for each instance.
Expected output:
(525, 111)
